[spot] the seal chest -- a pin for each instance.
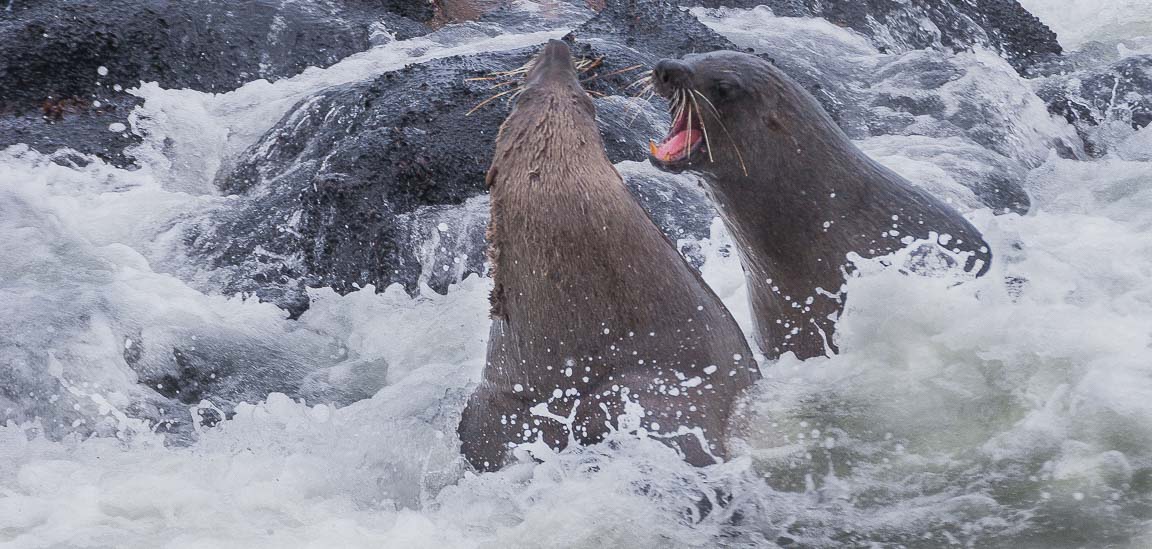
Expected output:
(796, 194)
(596, 316)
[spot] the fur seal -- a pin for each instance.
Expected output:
(593, 310)
(795, 193)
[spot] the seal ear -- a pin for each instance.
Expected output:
(774, 123)
(490, 178)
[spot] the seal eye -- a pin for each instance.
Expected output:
(725, 90)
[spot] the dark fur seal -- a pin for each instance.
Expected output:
(592, 305)
(795, 193)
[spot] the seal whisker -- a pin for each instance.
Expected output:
(735, 145)
(643, 82)
(636, 113)
(508, 77)
(688, 128)
(515, 82)
(515, 77)
(493, 98)
(646, 89)
(644, 79)
(703, 125)
(677, 106)
(647, 98)
(512, 72)
(613, 73)
(585, 65)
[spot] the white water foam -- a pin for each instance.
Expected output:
(1010, 411)
(1079, 21)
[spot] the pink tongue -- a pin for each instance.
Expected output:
(677, 145)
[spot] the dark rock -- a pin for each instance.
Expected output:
(334, 187)
(416, 10)
(974, 102)
(356, 185)
(1013, 31)
(949, 95)
(676, 202)
(66, 286)
(655, 27)
(353, 182)
(1121, 91)
(53, 49)
(85, 125)
(382, 181)
(956, 25)
(995, 137)
(231, 370)
(84, 51)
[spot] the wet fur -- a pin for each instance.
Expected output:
(780, 171)
(573, 255)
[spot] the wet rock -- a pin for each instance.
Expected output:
(677, 203)
(654, 27)
(971, 95)
(416, 10)
(56, 49)
(84, 52)
(91, 126)
(379, 182)
(993, 122)
(956, 170)
(141, 356)
(1119, 93)
(333, 190)
(952, 25)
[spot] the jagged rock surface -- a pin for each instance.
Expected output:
(361, 184)
(64, 64)
(956, 25)
(1119, 92)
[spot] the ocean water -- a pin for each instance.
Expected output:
(1077, 22)
(1010, 411)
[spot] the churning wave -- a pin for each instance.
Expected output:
(1010, 411)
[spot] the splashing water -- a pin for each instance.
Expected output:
(1077, 22)
(1010, 411)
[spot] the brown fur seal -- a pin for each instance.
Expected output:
(795, 193)
(592, 305)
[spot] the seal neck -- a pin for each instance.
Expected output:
(797, 178)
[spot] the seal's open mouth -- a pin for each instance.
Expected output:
(684, 138)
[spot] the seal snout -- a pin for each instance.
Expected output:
(556, 53)
(673, 80)
(671, 74)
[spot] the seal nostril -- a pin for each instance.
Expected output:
(664, 71)
(669, 72)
